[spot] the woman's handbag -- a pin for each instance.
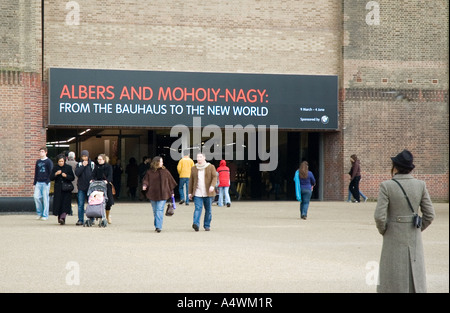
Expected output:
(417, 220)
(113, 189)
(171, 208)
(66, 186)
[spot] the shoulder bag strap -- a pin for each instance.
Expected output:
(406, 196)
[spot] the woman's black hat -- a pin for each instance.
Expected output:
(404, 159)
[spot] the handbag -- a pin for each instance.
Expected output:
(417, 220)
(66, 186)
(113, 189)
(171, 208)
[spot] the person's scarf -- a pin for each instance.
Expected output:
(202, 167)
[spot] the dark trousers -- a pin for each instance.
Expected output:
(354, 187)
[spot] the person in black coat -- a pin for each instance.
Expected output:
(104, 171)
(62, 172)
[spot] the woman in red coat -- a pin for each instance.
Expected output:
(158, 184)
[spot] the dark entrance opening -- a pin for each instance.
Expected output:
(251, 182)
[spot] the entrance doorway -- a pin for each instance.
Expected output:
(251, 182)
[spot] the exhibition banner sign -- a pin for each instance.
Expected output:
(92, 97)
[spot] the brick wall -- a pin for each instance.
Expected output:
(206, 36)
(21, 111)
(22, 131)
(395, 90)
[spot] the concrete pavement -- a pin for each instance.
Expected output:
(252, 247)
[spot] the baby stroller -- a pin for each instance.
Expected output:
(97, 199)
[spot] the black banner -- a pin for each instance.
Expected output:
(91, 97)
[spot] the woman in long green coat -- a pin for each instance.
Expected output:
(402, 265)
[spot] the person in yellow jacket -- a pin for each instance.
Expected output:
(184, 170)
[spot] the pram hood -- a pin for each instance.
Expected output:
(98, 185)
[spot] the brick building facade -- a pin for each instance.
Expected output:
(391, 58)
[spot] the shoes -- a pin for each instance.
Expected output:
(187, 203)
(158, 230)
(228, 204)
(38, 217)
(61, 221)
(365, 200)
(44, 218)
(207, 229)
(303, 217)
(181, 202)
(195, 227)
(79, 223)
(108, 217)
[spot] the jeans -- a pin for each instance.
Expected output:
(82, 197)
(349, 198)
(306, 196)
(223, 191)
(199, 202)
(158, 212)
(184, 196)
(354, 187)
(42, 199)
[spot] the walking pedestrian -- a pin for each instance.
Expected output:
(142, 170)
(117, 178)
(41, 183)
(402, 265)
(233, 175)
(184, 167)
(103, 171)
(132, 171)
(83, 171)
(355, 177)
(73, 163)
(224, 183)
(62, 199)
(202, 184)
(304, 184)
(158, 185)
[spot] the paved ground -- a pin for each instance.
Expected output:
(252, 247)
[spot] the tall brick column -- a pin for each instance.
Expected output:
(22, 122)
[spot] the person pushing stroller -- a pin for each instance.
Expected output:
(103, 171)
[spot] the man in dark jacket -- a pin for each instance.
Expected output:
(41, 184)
(355, 177)
(83, 171)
